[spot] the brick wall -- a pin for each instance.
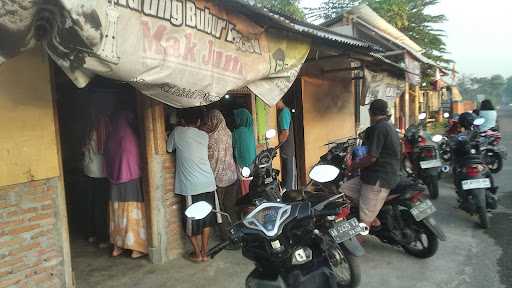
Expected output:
(30, 241)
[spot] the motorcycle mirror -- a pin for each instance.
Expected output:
(437, 138)
(271, 133)
(479, 121)
(246, 172)
(446, 115)
(324, 173)
(422, 116)
(198, 210)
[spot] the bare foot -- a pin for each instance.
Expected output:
(117, 251)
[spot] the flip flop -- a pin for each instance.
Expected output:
(137, 254)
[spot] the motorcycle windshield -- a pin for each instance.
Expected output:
(268, 218)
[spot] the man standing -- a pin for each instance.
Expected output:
(286, 139)
(380, 167)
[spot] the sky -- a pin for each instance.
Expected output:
(478, 34)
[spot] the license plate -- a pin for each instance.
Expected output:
(476, 184)
(430, 164)
(422, 210)
(344, 230)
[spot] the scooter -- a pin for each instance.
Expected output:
(472, 178)
(285, 244)
(421, 158)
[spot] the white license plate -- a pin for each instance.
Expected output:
(422, 210)
(344, 230)
(430, 164)
(476, 184)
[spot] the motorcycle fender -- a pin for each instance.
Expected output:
(432, 171)
(354, 247)
(255, 281)
(434, 227)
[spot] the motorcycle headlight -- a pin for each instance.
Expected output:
(302, 255)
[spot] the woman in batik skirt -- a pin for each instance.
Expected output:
(127, 213)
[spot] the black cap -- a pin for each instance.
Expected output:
(379, 107)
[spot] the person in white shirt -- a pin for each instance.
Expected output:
(490, 115)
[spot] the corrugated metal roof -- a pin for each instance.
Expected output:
(303, 27)
(368, 16)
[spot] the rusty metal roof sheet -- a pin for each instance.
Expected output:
(299, 26)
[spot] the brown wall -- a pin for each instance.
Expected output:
(34, 244)
(328, 109)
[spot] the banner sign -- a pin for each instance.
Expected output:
(412, 66)
(183, 53)
(381, 86)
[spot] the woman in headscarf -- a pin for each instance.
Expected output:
(127, 212)
(490, 115)
(220, 154)
(244, 144)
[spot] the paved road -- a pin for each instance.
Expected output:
(471, 258)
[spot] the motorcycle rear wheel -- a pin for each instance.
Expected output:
(344, 265)
(495, 163)
(481, 207)
(421, 233)
(433, 186)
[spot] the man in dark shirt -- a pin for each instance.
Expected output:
(379, 168)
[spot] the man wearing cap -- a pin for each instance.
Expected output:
(380, 167)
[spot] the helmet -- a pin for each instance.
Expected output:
(466, 120)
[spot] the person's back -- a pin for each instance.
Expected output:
(194, 174)
(490, 119)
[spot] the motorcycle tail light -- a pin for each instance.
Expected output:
(427, 153)
(343, 214)
(473, 170)
(416, 197)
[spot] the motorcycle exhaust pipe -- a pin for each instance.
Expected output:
(445, 169)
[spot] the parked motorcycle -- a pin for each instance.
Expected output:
(472, 178)
(493, 153)
(406, 216)
(420, 158)
(287, 247)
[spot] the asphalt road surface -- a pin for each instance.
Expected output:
(471, 258)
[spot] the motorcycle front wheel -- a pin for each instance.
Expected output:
(345, 266)
(425, 243)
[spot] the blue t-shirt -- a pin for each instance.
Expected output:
(194, 174)
(285, 123)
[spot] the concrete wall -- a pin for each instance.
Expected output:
(34, 244)
(328, 109)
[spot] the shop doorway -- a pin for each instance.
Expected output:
(76, 109)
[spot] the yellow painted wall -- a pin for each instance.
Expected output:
(28, 147)
(328, 107)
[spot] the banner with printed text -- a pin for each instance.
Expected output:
(183, 53)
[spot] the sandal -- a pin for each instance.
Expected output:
(193, 258)
(117, 251)
(137, 254)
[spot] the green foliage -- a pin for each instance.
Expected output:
(507, 91)
(286, 7)
(408, 16)
(494, 88)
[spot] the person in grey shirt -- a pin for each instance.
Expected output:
(194, 177)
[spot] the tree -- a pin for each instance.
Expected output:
(507, 91)
(493, 88)
(408, 16)
(286, 7)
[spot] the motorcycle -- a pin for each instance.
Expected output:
(420, 158)
(493, 153)
(472, 178)
(406, 216)
(286, 245)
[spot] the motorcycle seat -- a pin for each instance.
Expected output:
(404, 186)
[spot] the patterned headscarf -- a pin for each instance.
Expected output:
(220, 149)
